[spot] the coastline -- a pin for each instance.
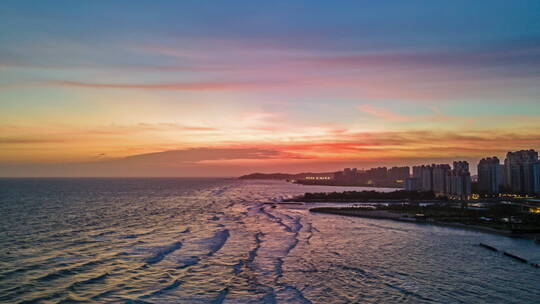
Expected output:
(393, 187)
(403, 217)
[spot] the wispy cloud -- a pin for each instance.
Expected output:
(413, 75)
(383, 113)
(202, 154)
(32, 140)
(178, 86)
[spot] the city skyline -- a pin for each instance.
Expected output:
(225, 89)
(519, 175)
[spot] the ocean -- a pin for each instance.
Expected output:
(178, 240)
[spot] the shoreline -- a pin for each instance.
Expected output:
(402, 217)
(352, 185)
(361, 201)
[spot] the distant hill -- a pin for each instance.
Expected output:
(279, 176)
(283, 176)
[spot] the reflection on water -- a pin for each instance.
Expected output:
(215, 241)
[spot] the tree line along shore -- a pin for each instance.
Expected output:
(503, 217)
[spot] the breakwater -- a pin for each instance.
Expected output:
(510, 255)
(376, 214)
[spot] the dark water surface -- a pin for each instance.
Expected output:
(215, 241)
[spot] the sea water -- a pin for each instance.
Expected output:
(225, 241)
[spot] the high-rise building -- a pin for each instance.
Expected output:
(536, 177)
(490, 175)
(348, 175)
(379, 173)
(440, 172)
(431, 177)
(420, 180)
(458, 182)
(417, 171)
(412, 184)
(398, 173)
(442, 179)
(426, 178)
(522, 171)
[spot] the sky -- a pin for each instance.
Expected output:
(223, 88)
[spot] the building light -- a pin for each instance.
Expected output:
(534, 210)
(317, 177)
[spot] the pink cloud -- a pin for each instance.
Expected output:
(383, 113)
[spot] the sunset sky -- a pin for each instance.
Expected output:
(222, 88)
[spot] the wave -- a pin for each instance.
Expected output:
(163, 251)
(270, 297)
(251, 255)
(255, 209)
(7, 295)
(237, 268)
(291, 246)
(296, 225)
(46, 298)
(221, 296)
(190, 261)
(96, 279)
(71, 300)
(8, 274)
(216, 242)
(360, 271)
(136, 301)
(309, 230)
(70, 271)
(171, 286)
(279, 261)
(258, 241)
(210, 245)
(295, 294)
(408, 292)
(129, 236)
(276, 219)
(103, 294)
